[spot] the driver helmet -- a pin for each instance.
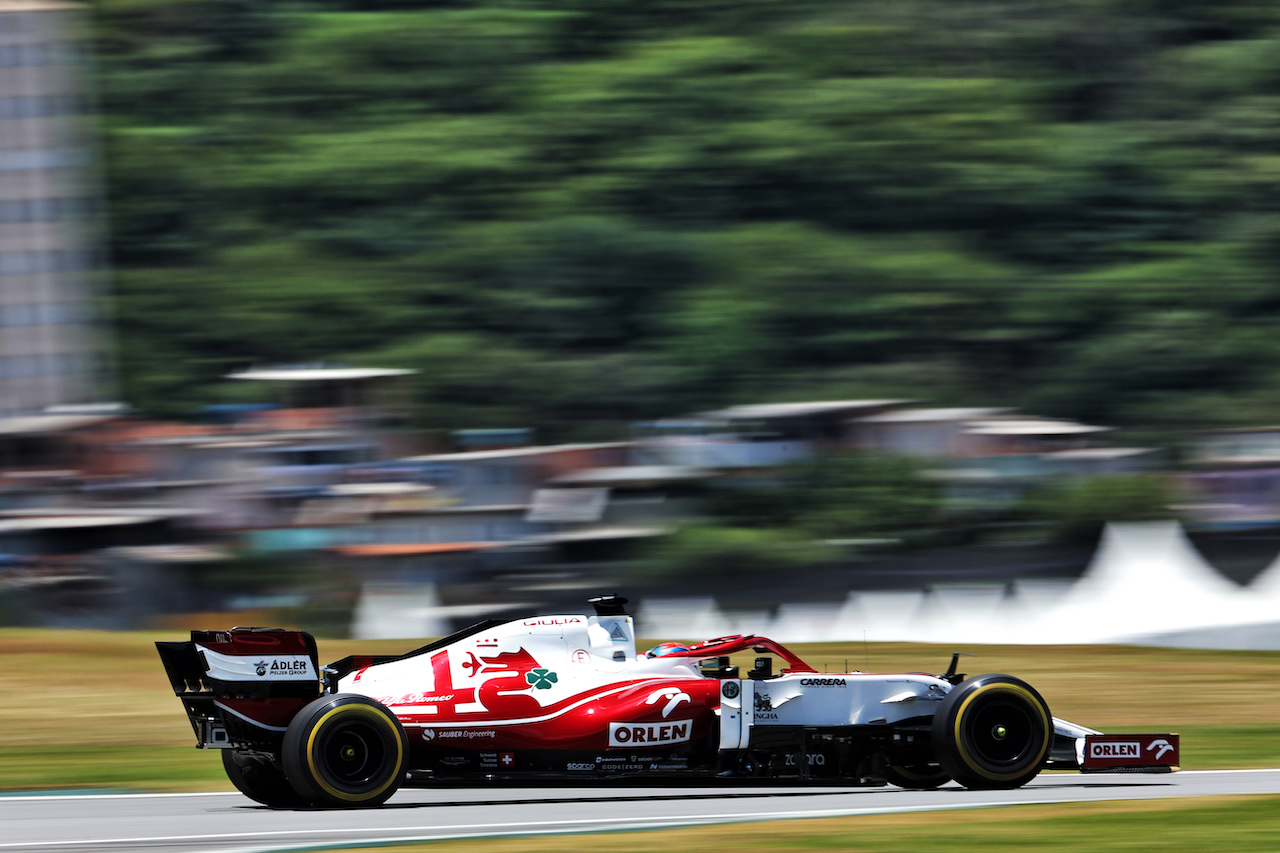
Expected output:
(665, 649)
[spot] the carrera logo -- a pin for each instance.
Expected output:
(823, 682)
(632, 734)
(1116, 749)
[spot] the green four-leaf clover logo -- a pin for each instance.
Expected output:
(542, 679)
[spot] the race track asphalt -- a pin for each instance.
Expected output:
(223, 822)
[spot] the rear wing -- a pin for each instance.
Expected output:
(241, 687)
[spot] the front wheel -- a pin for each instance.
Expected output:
(992, 731)
(260, 780)
(345, 750)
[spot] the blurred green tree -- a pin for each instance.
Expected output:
(1067, 206)
(1077, 510)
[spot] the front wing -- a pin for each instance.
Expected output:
(1076, 747)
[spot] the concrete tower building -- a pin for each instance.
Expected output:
(54, 347)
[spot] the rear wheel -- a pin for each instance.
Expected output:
(345, 750)
(992, 731)
(260, 780)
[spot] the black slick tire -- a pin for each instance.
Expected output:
(992, 732)
(260, 780)
(346, 751)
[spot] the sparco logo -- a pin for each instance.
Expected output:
(823, 682)
(1119, 749)
(630, 734)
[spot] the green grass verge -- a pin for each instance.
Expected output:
(141, 767)
(1224, 747)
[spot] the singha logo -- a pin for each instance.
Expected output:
(261, 667)
(763, 703)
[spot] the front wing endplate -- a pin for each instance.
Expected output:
(1156, 752)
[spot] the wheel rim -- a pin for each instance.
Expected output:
(353, 754)
(1001, 732)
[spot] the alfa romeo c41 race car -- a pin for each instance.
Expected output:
(568, 697)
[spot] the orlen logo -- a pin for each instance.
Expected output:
(633, 734)
(1116, 749)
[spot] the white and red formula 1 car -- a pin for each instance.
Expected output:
(567, 697)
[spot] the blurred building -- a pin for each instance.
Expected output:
(1234, 478)
(987, 458)
(53, 346)
(753, 436)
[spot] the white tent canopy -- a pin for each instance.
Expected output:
(1147, 584)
